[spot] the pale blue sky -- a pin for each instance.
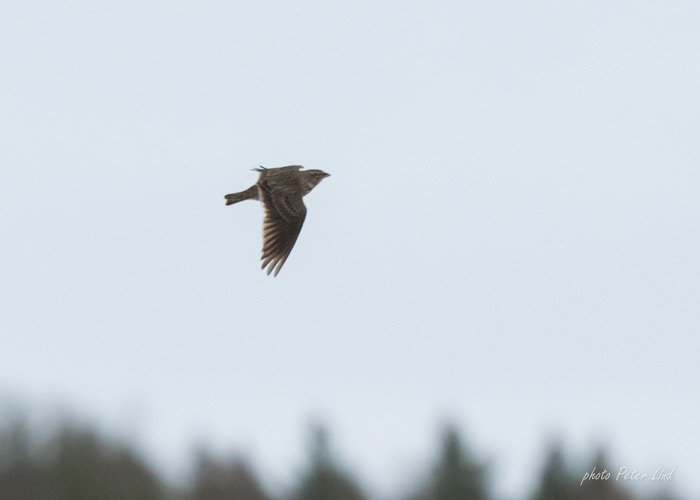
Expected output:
(509, 238)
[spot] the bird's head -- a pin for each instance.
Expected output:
(312, 178)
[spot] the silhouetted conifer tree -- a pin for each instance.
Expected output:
(456, 475)
(602, 489)
(555, 482)
(325, 480)
(83, 466)
(225, 480)
(75, 464)
(21, 478)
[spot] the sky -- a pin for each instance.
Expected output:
(508, 240)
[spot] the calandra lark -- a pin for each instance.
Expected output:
(281, 191)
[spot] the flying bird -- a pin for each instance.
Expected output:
(281, 191)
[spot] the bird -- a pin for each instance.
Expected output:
(281, 191)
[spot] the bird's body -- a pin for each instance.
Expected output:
(281, 191)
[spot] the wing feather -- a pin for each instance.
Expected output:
(284, 214)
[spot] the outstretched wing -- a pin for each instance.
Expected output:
(290, 168)
(284, 214)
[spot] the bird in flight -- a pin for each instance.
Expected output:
(281, 191)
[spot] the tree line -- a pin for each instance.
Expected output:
(78, 462)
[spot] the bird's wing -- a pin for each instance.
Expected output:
(293, 168)
(284, 214)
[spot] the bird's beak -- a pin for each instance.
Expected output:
(326, 175)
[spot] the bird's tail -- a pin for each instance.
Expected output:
(249, 194)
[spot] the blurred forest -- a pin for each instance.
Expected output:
(73, 461)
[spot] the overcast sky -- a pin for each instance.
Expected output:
(509, 238)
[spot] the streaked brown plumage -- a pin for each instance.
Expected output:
(281, 191)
